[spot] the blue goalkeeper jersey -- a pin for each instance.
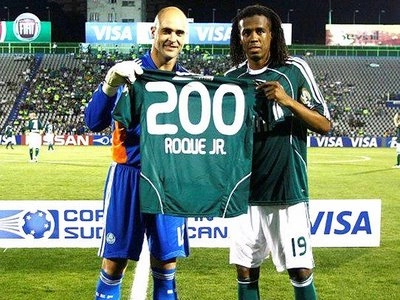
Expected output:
(98, 116)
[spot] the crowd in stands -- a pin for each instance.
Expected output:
(357, 101)
(60, 93)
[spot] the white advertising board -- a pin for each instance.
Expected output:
(78, 224)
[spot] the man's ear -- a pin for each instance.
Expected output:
(152, 30)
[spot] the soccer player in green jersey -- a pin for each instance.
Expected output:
(277, 223)
(9, 133)
(34, 136)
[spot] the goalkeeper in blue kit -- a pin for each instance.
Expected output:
(289, 103)
(125, 226)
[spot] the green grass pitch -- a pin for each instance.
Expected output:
(79, 173)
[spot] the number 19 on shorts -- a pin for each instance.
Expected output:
(299, 246)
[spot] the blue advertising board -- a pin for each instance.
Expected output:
(140, 33)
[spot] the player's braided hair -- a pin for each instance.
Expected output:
(279, 50)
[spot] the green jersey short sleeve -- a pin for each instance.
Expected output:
(196, 142)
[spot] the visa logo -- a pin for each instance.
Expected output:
(344, 222)
(213, 33)
(365, 142)
(112, 33)
(329, 142)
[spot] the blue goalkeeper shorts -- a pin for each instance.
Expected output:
(125, 226)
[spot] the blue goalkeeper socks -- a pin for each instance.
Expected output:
(108, 287)
(164, 284)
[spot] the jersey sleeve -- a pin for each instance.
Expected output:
(309, 93)
(98, 111)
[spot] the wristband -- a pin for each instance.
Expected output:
(109, 90)
(110, 85)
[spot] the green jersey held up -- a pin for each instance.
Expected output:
(196, 142)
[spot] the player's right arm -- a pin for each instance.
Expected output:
(98, 112)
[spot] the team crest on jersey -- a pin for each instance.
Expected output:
(305, 96)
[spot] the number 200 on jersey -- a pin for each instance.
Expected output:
(211, 111)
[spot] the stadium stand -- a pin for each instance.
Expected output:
(356, 89)
(58, 86)
(13, 74)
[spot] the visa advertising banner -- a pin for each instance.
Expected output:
(312, 141)
(78, 224)
(362, 35)
(27, 28)
(140, 33)
(351, 142)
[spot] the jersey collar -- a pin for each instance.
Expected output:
(256, 72)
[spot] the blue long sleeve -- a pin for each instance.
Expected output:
(98, 111)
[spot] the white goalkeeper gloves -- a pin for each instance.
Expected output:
(120, 74)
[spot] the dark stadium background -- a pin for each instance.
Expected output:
(307, 16)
